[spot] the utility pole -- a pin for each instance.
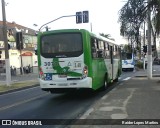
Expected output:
(144, 40)
(91, 26)
(149, 66)
(8, 72)
(144, 35)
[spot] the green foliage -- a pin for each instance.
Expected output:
(131, 18)
(139, 64)
(134, 12)
(105, 35)
(155, 6)
(127, 48)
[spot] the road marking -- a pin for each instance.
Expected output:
(22, 102)
(127, 78)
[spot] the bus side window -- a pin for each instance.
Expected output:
(107, 52)
(100, 49)
(119, 52)
(114, 51)
(94, 47)
(106, 49)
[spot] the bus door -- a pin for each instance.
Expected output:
(111, 55)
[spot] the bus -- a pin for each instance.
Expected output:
(128, 62)
(72, 59)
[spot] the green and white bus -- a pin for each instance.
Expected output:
(72, 59)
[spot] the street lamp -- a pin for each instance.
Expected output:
(8, 72)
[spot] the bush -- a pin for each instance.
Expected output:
(139, 64)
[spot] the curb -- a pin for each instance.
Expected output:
(157, 75)
(18, 89)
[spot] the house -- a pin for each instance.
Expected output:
(19, 58)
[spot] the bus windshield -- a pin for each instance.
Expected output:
(61, 45)
(126, 56)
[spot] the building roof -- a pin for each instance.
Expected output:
(17, 27)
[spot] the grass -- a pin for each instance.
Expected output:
(4, 88)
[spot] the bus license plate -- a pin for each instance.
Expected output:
(62, 76)
(64, 84)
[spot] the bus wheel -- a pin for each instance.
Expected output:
(116, 80)
(105, 85)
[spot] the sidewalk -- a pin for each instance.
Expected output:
(137, 98)
(155, 72)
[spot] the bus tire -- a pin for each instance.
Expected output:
(105, 83)
(116, 80)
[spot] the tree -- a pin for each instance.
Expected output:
(154, 6)
(106, 36)
(130, 21)
(134, 13)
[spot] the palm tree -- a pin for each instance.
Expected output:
(105, 35)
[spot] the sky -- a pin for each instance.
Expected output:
(103, 14)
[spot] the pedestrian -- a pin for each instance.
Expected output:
(15, 71)
(29, 68)
(24, 70)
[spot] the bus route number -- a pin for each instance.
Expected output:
(48, 63)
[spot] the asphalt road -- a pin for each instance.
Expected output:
(34, 103)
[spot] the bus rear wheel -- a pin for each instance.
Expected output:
(105, 83)
(116, 80)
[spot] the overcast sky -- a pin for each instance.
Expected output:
(103, 14)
